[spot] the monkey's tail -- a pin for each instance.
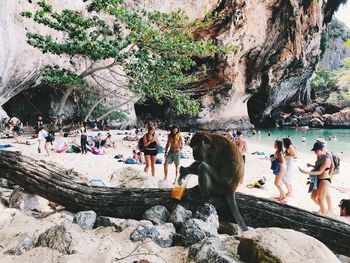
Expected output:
(231, 201)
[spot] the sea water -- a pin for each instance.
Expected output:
(338, 144)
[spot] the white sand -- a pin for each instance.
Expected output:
(102, 166)
(104, 245)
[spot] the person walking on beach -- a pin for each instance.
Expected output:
(83, 138)
(16, 127)
(150, 143)
(241, 144)
(280, 173)
(320, 177)
(173, 155)
(290, 156)
(46, 138)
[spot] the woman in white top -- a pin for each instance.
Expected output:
(290, 156)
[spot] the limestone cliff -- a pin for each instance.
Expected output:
(278, 48)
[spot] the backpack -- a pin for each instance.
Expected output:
(140, 145)
(336, 161)
(51, 136)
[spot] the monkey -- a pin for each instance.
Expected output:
(219, 167)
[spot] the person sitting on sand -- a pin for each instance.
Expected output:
(108, 142)
(62, 143)
(344, 206)
(320, 177)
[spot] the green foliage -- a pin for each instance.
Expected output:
(54, 75)
(324, 81)
(155, 50)
(87, 99)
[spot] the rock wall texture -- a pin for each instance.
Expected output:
(278, 49)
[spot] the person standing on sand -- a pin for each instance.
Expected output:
(278, 179)
(150, 142)
(241, 144)
(83, 138)
(173, 155)
(16, 127)
(321, 179)
(290, 155)
(46, 138)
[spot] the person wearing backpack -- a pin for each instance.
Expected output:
(150, 142)
(47, 138)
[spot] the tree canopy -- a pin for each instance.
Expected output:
(147, 53)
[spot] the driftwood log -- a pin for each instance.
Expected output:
(72, 190)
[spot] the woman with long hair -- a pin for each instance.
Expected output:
(150, 143)
(173, 155)
(278, 179)
(290, 156)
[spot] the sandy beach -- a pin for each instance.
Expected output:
(257, 166)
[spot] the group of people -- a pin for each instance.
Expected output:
(320, 174)
(172, 153)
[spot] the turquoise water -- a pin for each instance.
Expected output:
(341, 144)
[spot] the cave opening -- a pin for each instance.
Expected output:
(29, 104)
(256, 106)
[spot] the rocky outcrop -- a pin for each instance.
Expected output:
(277, 51)
(282, 245)
(336, 33)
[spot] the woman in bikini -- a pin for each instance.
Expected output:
(278, 179)
(322, 181)
(150, 142)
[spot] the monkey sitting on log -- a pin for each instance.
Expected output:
(220, 169)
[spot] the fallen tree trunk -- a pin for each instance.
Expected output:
(71, 190)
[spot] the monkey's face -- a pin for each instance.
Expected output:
(200, 144)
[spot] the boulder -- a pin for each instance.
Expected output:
(20, 244)
(214, 249)
(85, 219)
(340, 119)
(162, 235)
(228, 228)
(282, 245)
(58, 238)
(192, 231)
(179, 216)
(129, 177)
(157, 214)
(208, 214)
(27, 202)
(316, 122)
(120, 224)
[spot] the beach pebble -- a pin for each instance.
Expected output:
(157, 214)
(85, 219)
(179, 216)
(27, 202)
(281, 245)
(161, 235)
(20, 244)
(214, 249)
(58, 238)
